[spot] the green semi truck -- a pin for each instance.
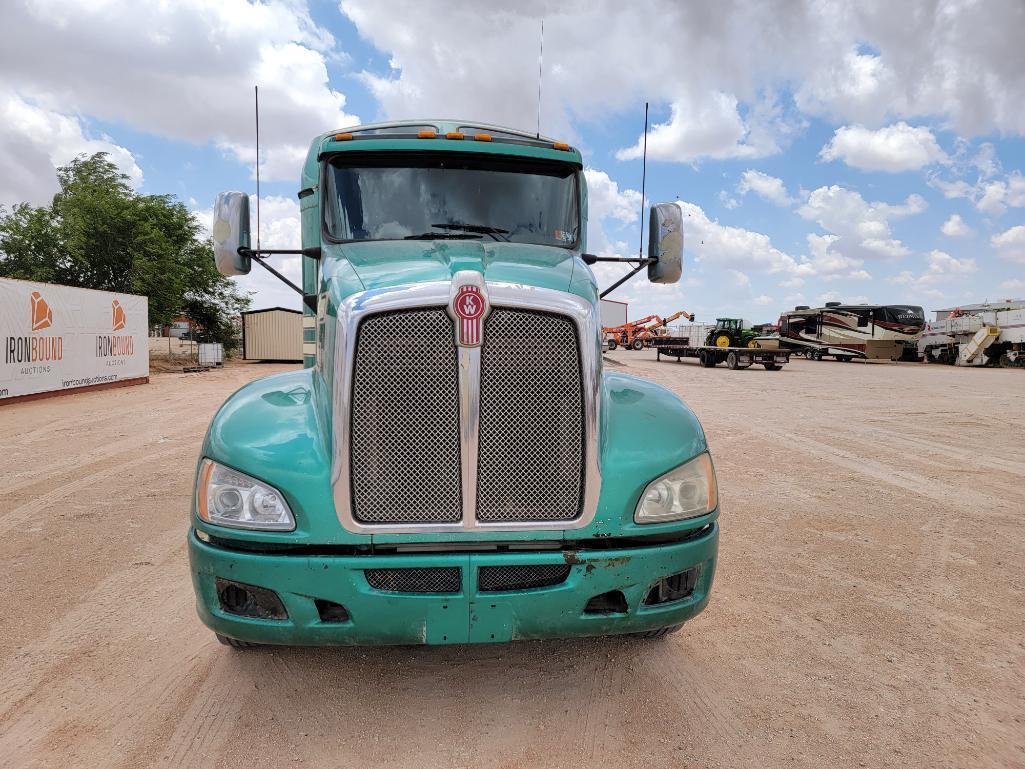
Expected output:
(451, 465)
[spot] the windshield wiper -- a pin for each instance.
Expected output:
(443, 236)
(483, 229)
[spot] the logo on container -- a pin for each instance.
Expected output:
(113, 346)
(35, 348)
(118, 321)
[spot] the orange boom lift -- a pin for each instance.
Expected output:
(637, 334)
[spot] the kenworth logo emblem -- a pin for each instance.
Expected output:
(469, 307)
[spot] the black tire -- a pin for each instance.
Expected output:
(612, 345)
(732, 361)
(234, 643)
(772, 366)
(637, 344)
(662, 632)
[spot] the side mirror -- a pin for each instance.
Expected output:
(231, 232)
(665, 242)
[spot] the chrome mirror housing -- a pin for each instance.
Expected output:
(231, 232)
(665, 243)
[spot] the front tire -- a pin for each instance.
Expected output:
(234, 643)
(637, 344)
(612, 345)
(662, 632)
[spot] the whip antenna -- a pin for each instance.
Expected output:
(540, 63)
(256, 89)
(644, 179)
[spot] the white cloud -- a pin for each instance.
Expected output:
(728, 202)
(183, 70)
(1014, 284)
(859, 229)
(955, 227)
(836, 296)
(1011, 243)
(763, 299)
(768, 187)
(34, 141)
(897, 147)
(605, 201)
(724, 246)
(941, 267)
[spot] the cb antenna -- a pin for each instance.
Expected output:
(256, 90)
(644, 179)
(540, 63)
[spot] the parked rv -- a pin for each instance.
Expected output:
(990, 334)
(847, 331)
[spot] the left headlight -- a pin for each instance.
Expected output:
(687, 491)
(227, 497)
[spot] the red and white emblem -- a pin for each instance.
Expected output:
(469, 306)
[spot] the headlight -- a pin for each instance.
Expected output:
(687, 491)
(227, 497)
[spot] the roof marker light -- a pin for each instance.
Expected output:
(343, 137)
(426, 134)
(454, 135)
(560, 145)
(482, 137)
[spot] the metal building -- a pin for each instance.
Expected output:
(613, 313)
(274, 333)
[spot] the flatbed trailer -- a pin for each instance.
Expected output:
(734, 357)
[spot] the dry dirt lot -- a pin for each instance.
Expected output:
(868, 611)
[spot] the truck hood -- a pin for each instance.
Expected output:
(385, 264)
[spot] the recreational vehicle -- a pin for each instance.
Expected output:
(846, 331)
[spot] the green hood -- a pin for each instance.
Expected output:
(384, 264)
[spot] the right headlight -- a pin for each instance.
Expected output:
(687, 491)
(227, 497)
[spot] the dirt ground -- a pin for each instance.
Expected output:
(868, 610)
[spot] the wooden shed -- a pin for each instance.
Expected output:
(274, 333)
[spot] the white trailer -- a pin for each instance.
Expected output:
(613, 313)
(989, 334)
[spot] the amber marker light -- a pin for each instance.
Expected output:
(560, 145)
(201, 497)
(426, 134)
(343, 137)
(454, 135)
(482, 137)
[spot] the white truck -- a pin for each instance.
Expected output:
(988, 334)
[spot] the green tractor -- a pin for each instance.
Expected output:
(731, 332)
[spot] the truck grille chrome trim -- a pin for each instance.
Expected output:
(434, 579)
(498, 579)
(549, 349)
(404, 448)
(530, 454)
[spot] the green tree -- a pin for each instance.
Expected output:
(98, 233)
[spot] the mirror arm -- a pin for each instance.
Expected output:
(592, 259)
(252, 255)
(641, 264)
(313, 251)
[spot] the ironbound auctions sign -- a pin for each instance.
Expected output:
(61, 338)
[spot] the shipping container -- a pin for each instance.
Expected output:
(59, 339)
(613, 313)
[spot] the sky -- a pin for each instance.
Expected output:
(860, 151)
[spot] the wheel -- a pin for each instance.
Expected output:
(662, 632)
(722, 339)
(612, 345)
(752, 344)
(772, 366)
(234, 643)
(637, 344)
(732, 361)
(705, 359)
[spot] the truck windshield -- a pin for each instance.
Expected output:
(452, 195)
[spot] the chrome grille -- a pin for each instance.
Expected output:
(404, 442)
(495, 579)
(531, 450)
(426, 580)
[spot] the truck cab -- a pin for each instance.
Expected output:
(452, 464)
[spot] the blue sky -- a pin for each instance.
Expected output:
(837, 150)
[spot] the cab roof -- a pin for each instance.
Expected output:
(444, 135)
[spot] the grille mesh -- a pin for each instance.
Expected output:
(530, 462)
(494, 579)
(426, 580)
(404, 442)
